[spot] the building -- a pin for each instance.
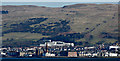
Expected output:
(38, 52)
(22, 54)
(13, 53)
(72, 54)
(114, 48)
(113, 54)
(57, 43)
(49, 54)
(3, 54)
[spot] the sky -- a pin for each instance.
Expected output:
(60, 0)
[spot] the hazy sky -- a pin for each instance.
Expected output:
(60, 0)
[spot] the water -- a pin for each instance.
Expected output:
(61, 59)
(54, 4)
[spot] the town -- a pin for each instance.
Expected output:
(61, 49)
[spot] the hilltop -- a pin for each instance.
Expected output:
(83, 24)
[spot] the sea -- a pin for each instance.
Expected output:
(53, 4)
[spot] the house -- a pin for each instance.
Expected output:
(72, 54)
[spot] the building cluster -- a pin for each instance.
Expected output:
(61, 49)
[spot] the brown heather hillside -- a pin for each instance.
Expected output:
(83, 24)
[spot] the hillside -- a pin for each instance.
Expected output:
(83, 24)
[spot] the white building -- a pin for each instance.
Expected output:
(49, 54)
(22, 54)
(113, 54)
(114, 48)
(2, 53)
(106, 54)
(57, 43)
(89, 47)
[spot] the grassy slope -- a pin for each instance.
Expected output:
(22, 35)
(80, 19)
